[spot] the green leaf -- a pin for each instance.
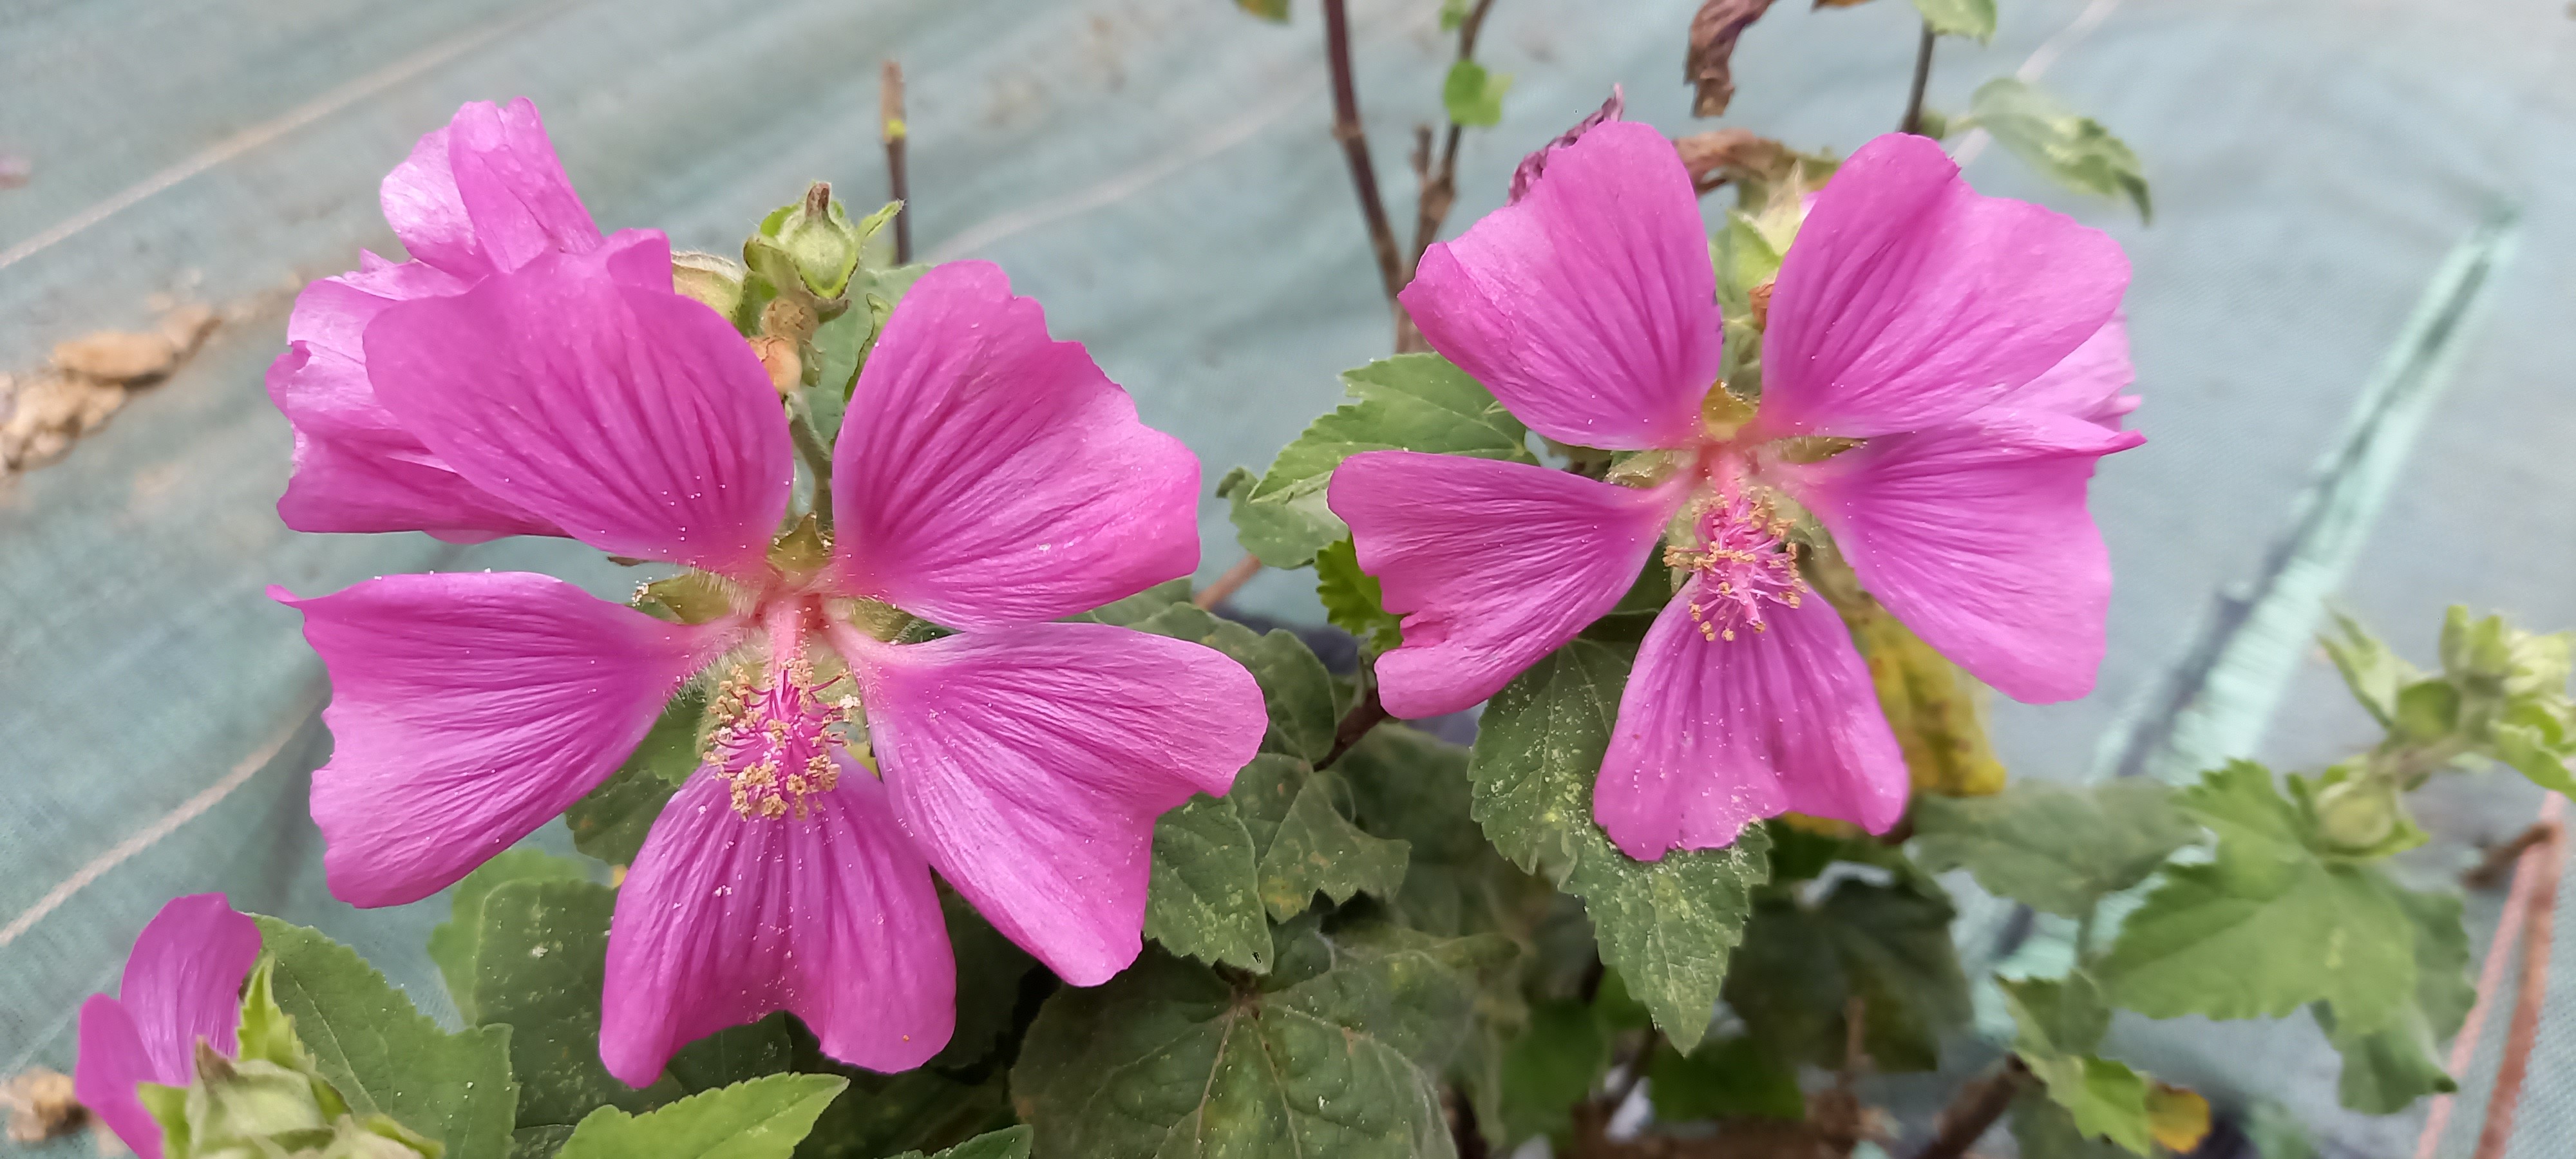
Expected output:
(539, 971)
(1012, 1143)
(1205, 898)
(454, 943)
(2427, 710)
(1128, 612)
(2106, 1099)
(885, 1114)
(2055, 1016)
(1334, 1053)
(1969, 18)
(1667, 926)
(610, 822)
(383, 1056)
(2369, 667)
(1887, 945)
(1294, 687)
(1453, 13)
(1474, 96)
(2054, 847)
(1353, 599)
(538, 1142)
(2044, 1129)
(1728, 1078)
(2267, 926)
(2385, 1071)
(1553, 1064)
(1275, 11)
(989, 971)
(2066, 147)
(1417, 402)
(266, 1033)
(1316, 849)
(759, 1119)
(1410, 785)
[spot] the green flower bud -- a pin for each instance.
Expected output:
(817, 239)
(2359, 814)
(714, 279)
(232, 1102)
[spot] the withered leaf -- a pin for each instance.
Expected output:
(1712, 45)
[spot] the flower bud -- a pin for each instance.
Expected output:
(710, 278)
(234, 1103)
(816, 237)
(2357, 814)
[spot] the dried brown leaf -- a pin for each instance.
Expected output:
(41, 1105)
(1712, 46)
(1722, 155)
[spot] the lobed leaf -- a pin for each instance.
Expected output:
(1887, 945)
(2064, 146)
(2054, 847)
(762, 1118)
(1354, 601)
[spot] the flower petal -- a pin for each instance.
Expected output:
(2087, 383)
(1910, 299)
(1976, 536)
(1716, 734)
(988, 475)
(182, 983)
(1030, 763)
(486, 193)
(1588, 307)
(467, 710)
(635, 419)
(112, 1060)
(1492, 564)
(723, 919)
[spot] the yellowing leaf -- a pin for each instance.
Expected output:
(2178, 1118)
(1936, 710)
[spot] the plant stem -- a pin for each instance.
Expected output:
(1356, 723)
(1633, 1074)
(1975, 1108)
(1229, 583)
(894, 131)
(1439, 183)
(1354, 139)
(1913, 122)
(818, 459)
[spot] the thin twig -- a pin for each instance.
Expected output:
(1229, 583)
(1913, 122)
(1633, 1074)
(2500, 859)
(1975, 1109)
(1439, 183)
(1356, 723)
(1354, 139)
(2546, 860)
(894, 130)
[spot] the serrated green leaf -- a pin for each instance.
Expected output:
(1417, 402)
(1410, 785)
(1127, 612)
(1012, 1143)
(1205, 900)
(1334, 1054)
(1554, 1063)
(610, 822)
(538, 1142)
(1727, 1078)
(2053, 1016)
(2043, 1129)
(539, 971)
(266, 1033)
(1353, 600)
(1970, 18)
(2104, 1098)
(2384, 1072)
(383, 1056)
(1316, 849)
(1295, 687)
(2054, 847)
(2369, 667)
(880, 1114)
(1473, 95)
(2066, 147)
(762, 1118)
(2269, 925)
(1667, 926)
(454, 943)
(1889, 946)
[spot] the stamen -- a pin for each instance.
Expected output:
(771, 741)
(1744, 563)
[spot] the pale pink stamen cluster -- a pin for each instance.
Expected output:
(1743, 563)
(771, 740)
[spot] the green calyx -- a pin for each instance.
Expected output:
(270, 1102)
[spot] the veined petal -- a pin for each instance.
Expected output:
(486, 193)
(1029, 763)
(1909, 299)
(182, 984)
(1588, 306)
(1976, 536)
(1716, 734)
(723, 919)
(635, 419)
(2087, 383)
(1492, 564)
(469, 709)
(988, 475)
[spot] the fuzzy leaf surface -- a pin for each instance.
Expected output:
(762, 1118)
(2054, 847)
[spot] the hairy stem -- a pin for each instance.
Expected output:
(1913, 122)
(894, 131)
(818, 459)
(1354, 139)
(1975, 1108)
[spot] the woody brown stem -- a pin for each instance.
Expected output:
(1913, 122)
(1229, 583)
(1975, 1109)
(1354, 139)
(1356, 723)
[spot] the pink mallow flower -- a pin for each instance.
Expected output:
(986, 478)
(182, 985)
(1940, 371)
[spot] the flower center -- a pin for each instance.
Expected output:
(1743, 565)
(771, 741)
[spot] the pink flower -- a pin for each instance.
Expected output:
(482, 196)
(182, 984)
(987, 478)
(1940, 372)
